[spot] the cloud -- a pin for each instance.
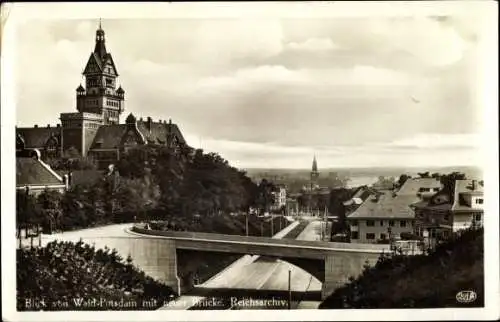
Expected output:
(287, 87)
(440, 141)
(313, 44)
(266, 155)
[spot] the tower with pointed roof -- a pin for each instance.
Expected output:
(101, 94)
(94, 129)
(98, 103)
(314, 173)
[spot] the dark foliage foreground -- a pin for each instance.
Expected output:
(76, 276)
(422, 281)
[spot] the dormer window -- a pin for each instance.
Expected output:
(479, 201)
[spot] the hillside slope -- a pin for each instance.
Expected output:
(423, 281)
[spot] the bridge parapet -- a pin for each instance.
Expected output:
(327, 246)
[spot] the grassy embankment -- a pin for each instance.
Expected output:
(422, 281)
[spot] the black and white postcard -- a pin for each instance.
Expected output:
(250, 161)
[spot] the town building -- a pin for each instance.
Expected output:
(33, 176)
(359, 196)
(313, 198)
(279, 196)
(386, 215)
(94, 130)
(446, 212)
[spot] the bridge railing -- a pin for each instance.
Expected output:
(254, 239)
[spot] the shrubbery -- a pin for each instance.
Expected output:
(62, 275)
(421, 281)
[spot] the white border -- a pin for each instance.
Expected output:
(13, 14)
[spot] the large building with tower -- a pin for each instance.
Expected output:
(94, 129)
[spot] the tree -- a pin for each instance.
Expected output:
(337, 208)
(385, 182)
(448, 181)
(436, 175)
(72, 160)
(49, 202)
(402, 179)
(73, 208)
(265, 197)
(28, 211)
(424, 174)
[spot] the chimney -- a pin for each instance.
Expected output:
(48, 126)
(58, 125)
(149, 124)
(36, 126)
(474, 184)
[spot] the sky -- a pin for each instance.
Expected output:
(271, 92)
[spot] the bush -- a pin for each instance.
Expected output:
(421, 281)
(63, 274)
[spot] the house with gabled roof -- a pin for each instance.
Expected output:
(446, 212)
(387, 214)
(34, 176)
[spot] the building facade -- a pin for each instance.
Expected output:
(280, 198)
(447, 212)
(94, 129)
(386, 215)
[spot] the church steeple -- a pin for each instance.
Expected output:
(314, 174)
(100, 46)
(315, 165)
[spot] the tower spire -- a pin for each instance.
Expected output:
(314, 164)
(100, 47)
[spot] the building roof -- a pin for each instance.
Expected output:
(413, 185)
(30, 171)
(465, 187)
(37, 137)
(159, 132)
(386, 206)
(110, 136)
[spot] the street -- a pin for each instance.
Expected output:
(270, 274)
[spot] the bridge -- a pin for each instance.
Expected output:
(331, 263)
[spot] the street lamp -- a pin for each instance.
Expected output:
(246, 223)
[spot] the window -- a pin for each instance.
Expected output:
(354, 235)
(446, 217)
(370, 236)
(391, 223)
(402, 223)
(370, 223)
(382, 223)
(383, 236)
(354, 223)
(478, 217)
(479, 201)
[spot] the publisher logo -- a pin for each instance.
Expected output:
(466, 296)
